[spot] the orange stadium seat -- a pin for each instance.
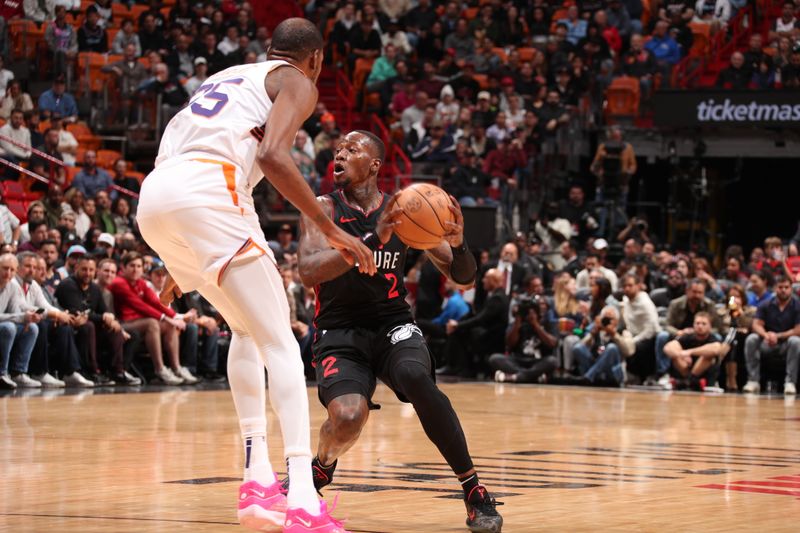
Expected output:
(106, 158)
(526, 54)
(135, 12)
(623, 97)
(482, 79)
(138, 176)
(111, 33)
(362, 69)
(501, 53)
(26, 37)
(702, 38)
(84, 135)
(70, 173)
(119, 12)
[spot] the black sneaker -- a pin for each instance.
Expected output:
(126, 380)
(102, 380)
(482, 515)
(323, 476)
(213, 377)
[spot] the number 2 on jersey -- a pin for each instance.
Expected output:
(211, 92)
(393, 293)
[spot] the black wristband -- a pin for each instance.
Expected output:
(460, 250)
(462, 268)
(372, 241)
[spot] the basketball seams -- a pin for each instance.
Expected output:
(418, 225)
(435, 212)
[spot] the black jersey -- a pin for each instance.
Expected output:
(359, 300)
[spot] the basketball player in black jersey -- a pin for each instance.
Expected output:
(364, 325)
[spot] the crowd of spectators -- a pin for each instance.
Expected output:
(480, 90)
(653, 317)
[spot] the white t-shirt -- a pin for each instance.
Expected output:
(5, 77)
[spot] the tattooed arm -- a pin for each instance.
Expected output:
(317, 261)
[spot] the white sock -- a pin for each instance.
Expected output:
(256, 460)
(302, 493)
(256, 455)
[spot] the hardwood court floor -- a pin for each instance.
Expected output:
(562, 459)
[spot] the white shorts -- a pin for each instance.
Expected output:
(199, 233)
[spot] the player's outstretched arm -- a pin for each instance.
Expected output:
(317, 262)
(295, 101)
(452, 257)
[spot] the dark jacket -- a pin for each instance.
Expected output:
(73, 299)
(492, 319)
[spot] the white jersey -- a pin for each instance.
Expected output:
(223, 122)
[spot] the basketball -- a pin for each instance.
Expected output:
(425, 212)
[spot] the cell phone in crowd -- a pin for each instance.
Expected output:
(40, 311)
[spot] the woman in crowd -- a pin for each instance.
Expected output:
(733, 271)
(74, 197)
(123, 218)
(702, 270)
(602, 295)
(567, 316)
(737, 318)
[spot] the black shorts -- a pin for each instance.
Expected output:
(349, 361)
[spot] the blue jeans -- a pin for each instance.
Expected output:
(608, 366)
(662, 361)
(190, 349)
(16, 345)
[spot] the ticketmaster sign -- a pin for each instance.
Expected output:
(727, 108)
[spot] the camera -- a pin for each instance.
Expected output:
(525, 304)
(605, 321)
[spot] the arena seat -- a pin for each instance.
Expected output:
(622, 97)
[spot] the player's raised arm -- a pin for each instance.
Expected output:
(452, 257)
(317, 262)
(295, 101)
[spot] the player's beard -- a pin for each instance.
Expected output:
(342, 184)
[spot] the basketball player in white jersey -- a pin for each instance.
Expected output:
(196, 211)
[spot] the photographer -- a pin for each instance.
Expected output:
(614, 163)
(601, 353)
(530, 345)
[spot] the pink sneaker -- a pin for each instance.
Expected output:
(299, 521)
(261, 508)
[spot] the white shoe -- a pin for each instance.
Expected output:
(6, 382)
(752, 387)
(789, 389)
(76, 379)
(499, 376)
(49, 382)
(26, 382)
(167, 377)
(665, 382)
(186, 375)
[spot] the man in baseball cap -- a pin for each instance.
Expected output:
(105, 245)
(74, 252)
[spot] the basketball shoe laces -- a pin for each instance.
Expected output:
(325, 512)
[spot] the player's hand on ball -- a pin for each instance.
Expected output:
(389, 219)
(455, 230)
(352, 249)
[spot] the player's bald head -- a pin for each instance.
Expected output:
(375, 144)
(297, 38)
